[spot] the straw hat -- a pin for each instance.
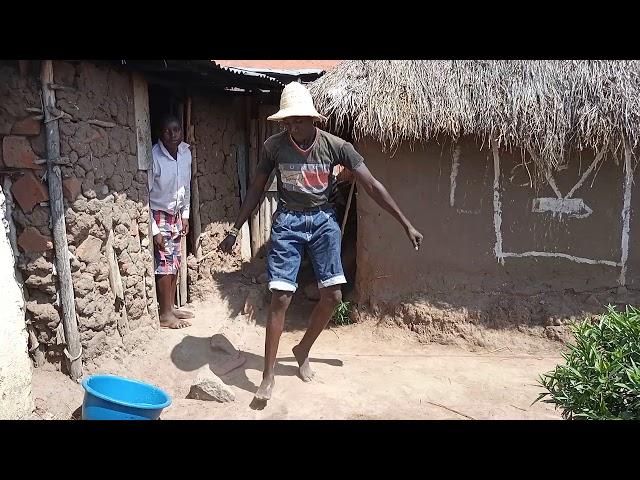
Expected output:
(296, 101)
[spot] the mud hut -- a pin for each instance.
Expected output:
(519, 174)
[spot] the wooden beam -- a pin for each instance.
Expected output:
(73, 351)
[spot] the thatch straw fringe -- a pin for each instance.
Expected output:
(547, 107)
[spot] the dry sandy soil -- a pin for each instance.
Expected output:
(363, 371)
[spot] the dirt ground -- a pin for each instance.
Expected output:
(363, 371)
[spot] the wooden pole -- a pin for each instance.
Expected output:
(182, 277)
(245, 235)
(253, 164)
(346, 211)
(73, 351)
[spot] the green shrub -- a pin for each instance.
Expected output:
(341, 314)
(601, 377)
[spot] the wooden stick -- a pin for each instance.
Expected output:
(346, 212)
(56, 86)
(451, 410)
(55, 161)
(59, 228)
(101, 123)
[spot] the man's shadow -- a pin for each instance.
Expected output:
(192, 353)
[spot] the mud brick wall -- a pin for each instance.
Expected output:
(219, 132)
(104, 192)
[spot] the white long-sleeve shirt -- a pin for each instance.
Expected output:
(170, 182)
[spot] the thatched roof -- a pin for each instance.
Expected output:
(546, 107)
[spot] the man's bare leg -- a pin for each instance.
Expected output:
(329, 298)
(179, 313)
(280, 301)
(165, 285)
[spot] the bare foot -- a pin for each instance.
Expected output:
(264, 391)
(306, 374)
(171, 321)
(182, 313)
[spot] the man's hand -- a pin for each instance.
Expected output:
(158, 241)
(227, 244)
(185, 227)
(415, 236)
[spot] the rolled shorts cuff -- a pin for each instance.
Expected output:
(329, 282)
(282, 285)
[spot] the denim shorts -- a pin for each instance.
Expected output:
(292, 232)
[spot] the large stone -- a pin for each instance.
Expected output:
(29, 192)
(89, 250)
(44, 283)
(17, 153)
(43, 312)
(72, 187)
(31, 240)
(209, 387)
(26, 126)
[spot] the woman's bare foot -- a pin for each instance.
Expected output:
(182, 313)
(171, 321)
(306, 374)
(264, 391)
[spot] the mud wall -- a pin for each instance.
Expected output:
(105, 195)
(219, 129)
(458, 254)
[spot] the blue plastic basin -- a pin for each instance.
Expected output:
(109, 397)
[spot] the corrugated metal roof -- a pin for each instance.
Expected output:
(251, 73)
(295, 73)
(205, 73)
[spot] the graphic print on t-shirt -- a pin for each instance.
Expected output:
(304, 177)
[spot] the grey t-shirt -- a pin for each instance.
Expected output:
(304, 176)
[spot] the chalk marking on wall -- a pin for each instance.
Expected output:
(562, 255)
(626, 213)
(497, 205)
(552, 184)
(497, 217)
(576, 208)
(585, 174)
(455, 162)
(573, 207)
